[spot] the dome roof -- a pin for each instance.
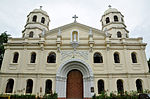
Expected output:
(110, 10)
(40, 10)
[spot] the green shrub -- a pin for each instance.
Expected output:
(15, 96)
(123, 95)
(50, 96)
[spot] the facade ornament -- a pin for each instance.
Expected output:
(73, 54)
(74, 44)
(91, 41)
(58, 42)
(107, 34)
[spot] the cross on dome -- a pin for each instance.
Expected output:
(41, 7)
(109, 6)
(75, 17)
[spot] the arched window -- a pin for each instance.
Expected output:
(29, 86)
(120, 86)
(115, 18)
(51, 58)
(119, 35)
(28, 20)
(34, 18)
(122, 20)
(100, 86)
(48, 87)
(127, 36)
(98, 58)
(139, 85)
(9, 86)
(134, 59)
(107, 20)
(43, 20)
(23, 35)
(31, 34)
(116, 57)
(33, 57)
(74, 36)
(15, 58)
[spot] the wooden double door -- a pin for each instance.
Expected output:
(74, 85)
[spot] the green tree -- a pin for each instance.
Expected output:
(3, 39)
(149, 64)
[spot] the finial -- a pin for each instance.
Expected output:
(59, 32)
(75, 17)
(109, 6)
(43, 31)
(105, 29)
(41, 7)
(90, 32)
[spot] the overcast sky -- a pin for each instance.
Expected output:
(13, 14)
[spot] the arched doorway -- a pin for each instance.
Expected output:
(74, 85)
(65, 69)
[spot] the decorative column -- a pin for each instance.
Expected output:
(61, 87)
(91, 41)
(107, 42)
(58, 42)
(42, 41)
(88, 87)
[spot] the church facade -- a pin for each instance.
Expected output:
(74, 60)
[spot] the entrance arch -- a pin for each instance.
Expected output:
(65, 68)
(74, 85)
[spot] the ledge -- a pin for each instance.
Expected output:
(31, 66)
(13, 66)
(98, 64)
(50, 66)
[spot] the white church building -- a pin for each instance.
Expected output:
(75, 60)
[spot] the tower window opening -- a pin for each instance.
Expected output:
(34, 18)
(28, 20)
(122, 20)
(115, 18)
(119, 35)
(107, 20)
(127, 36)
(43, 20)
(31, 34)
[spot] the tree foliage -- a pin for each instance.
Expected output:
(3, 39)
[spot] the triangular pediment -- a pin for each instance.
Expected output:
(68, 28)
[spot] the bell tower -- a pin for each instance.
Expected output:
(113, 22)
(37, 21)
